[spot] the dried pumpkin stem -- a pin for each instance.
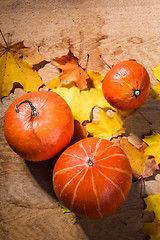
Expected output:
(90, 162)
(34, 111)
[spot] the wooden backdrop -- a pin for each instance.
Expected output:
(118, 30)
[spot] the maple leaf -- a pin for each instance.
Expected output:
(71, 72)
(31, 55)
(153, 146)
(150, 167)
(138, 160)
(13, 69)
(152, 202)
(81, 103)
(96, 79)
(106, 126)
(152, 186)
(155, 91)
(153, 228)
(156, 72)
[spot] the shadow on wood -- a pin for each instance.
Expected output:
(125, 224)
(42, 172)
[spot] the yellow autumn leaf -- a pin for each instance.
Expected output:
(153, 148)
(153, 228)
(156, 72)
(82, 102)
(153, 204)
(14, 70)
(96, 78)
(54, 83)
(135, 156)
(106, 126)
(155, 91)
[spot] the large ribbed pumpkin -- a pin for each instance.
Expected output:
(92, 178)
(38, 125)
(126, 85)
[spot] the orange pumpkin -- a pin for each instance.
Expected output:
(38, 125)
(92, 178)
(126, 86)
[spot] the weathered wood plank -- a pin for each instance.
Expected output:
(116, 29)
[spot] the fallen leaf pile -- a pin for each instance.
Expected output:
(82, 90)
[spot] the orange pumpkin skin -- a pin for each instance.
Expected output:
(126, 86)
(44, 136)
(92, 178)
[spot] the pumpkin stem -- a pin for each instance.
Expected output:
(34, 111)
(90, 162)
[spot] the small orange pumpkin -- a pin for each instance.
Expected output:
(38, 125)
(92, 178)
(126, 86)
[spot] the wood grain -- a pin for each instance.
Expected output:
(118, 30)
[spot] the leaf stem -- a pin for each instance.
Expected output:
(87, 61)
(105, 61)
(4, 39)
